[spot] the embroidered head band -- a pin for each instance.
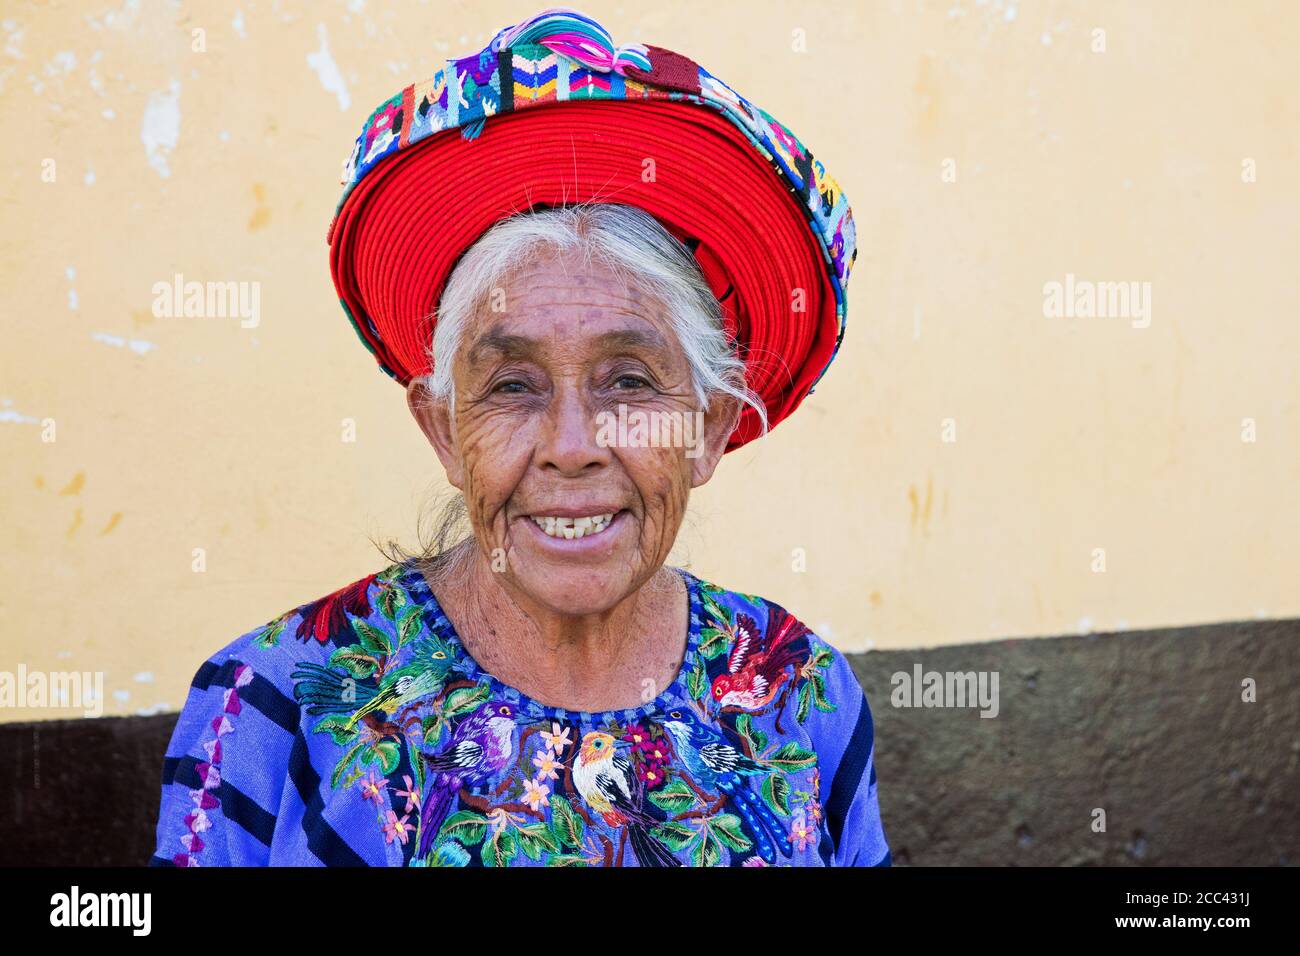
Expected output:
(551, 112)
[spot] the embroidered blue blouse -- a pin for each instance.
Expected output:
(357, 730)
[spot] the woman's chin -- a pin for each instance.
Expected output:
(575, 590)
(587, 575)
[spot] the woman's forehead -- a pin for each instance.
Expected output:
(537, 336)
(569, 275)
(563, 304)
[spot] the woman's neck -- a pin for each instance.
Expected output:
(620, 658)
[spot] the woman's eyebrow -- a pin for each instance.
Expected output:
(503, 343)
(634, 338)
(510, 345)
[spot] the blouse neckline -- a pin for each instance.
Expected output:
(675, 694)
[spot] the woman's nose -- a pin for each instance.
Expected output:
(568, 438)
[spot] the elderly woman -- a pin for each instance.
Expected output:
(635, 270)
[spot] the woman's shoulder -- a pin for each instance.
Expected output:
(364, 610)
(239, 749)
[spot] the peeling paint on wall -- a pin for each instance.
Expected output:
(161, 128)
(12, 416)
(138, 346)
(327, 70)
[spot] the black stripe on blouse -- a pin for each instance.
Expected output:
(848, 775)
(322, 839)
(236, 806)
(260, 693)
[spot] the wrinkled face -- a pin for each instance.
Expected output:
(572, 512)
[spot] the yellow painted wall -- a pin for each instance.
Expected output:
(1072, 434)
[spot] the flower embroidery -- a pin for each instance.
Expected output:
(370, 788)
(556, 738)
(412, 795)
(535, 793)
(715, 772)
(206, 797)
(395, 828)
(802, 833)
(546, 764)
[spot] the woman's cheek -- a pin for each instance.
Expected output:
(662, 479)
(495, 453)
(494, 436)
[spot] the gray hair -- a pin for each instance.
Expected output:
(629, 241)
(645, 255)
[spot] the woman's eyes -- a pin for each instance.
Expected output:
(636, 382)
(625, 382)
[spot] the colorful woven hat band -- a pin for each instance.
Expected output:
(443, 161)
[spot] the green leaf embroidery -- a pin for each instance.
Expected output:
(270, 635)
(408, 626)
(713, 641)
(567, 824)
(465, 826)
(707, 852)
(776, 791)
(673, 797)
(388, 600)
(500, 849)
(344, 764)
(697, 683)
(805, 700)
(792, 757)
(464, 699)
(336, 726)
(536, 838)
(360, 665)
(417, 771)
(820, 700)
(727, 828)
(372, 638)
(390, 755)
(431, 731)
(673, 835)
(715, 610)
(386, 754)
(757, 739)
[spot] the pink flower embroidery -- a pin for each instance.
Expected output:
(209, 771)
(535, 793)
(801, 833)
(546, 764)
(556, 738)
(397, 828)
(412, 795)
(370, 789)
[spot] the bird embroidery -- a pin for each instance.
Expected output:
(607, 781)
(326, 617)
(756, 665)
(480, 747)
(717, 766)
(709, 772)
(323, 690)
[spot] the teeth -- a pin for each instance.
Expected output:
(573, 528)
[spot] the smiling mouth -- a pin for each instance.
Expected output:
(573, 528)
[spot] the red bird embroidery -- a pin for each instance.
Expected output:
(756, 666)
(328, 616)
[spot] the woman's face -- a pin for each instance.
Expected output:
(534, 445)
